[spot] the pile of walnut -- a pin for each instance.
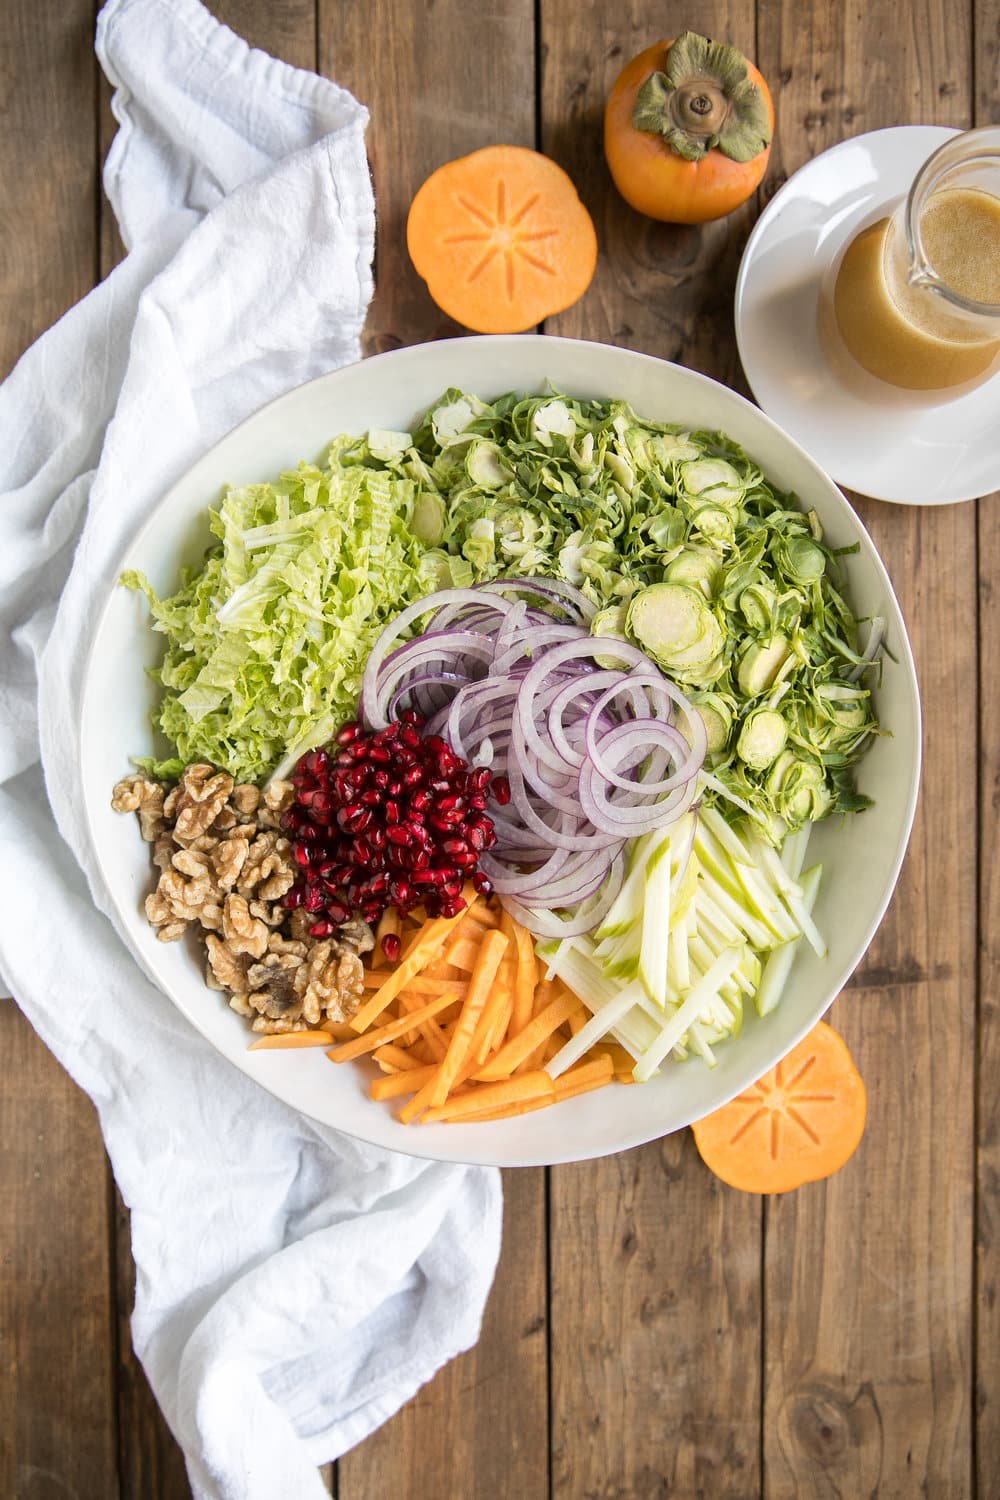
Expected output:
(224, 867)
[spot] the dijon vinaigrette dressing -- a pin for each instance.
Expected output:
(908, 335)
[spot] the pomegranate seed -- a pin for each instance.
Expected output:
(354, 819)
(292, 899)
(313, 899)
(390, 817)
(321, 929)
(391, 947)
(482, 883)
(501, 790)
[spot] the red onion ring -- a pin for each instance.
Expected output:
(593, 754)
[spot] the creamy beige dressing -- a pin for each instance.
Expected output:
(908, 335)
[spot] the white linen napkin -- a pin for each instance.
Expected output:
(294, 1287)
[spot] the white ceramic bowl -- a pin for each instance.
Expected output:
(861, 856)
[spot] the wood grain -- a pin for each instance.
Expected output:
(58, 1431)
(986, 1441)
(440, 81)
(867, 1278)
(480, 1427)
(57, 1410)
(655, 1268)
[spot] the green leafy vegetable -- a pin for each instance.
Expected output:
(268, 639)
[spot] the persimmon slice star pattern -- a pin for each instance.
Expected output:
(798, 1123)
(502, 239)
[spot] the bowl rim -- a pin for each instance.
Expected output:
(466, 1154)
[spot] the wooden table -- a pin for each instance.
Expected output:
(651, 1332)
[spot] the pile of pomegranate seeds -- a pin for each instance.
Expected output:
(394, 818)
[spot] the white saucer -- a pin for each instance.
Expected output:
(908, 447)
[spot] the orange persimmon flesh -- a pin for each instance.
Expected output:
(799, 1123)
(501, 239)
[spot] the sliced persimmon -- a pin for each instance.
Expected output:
(501, 239)
(799, 1123)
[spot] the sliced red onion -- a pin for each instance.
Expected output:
(508, 674)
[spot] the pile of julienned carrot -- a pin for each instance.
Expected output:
(463, 1025)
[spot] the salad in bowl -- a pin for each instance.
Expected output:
(551, 728)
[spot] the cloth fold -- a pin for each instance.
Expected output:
(294, 1287)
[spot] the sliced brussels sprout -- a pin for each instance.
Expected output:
(552, 419)
(386, 445)
(760, 665)
(698, 567)
(484, 466)
(762, 739)
(450, 421)
(714, 480)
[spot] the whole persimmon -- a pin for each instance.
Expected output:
(687, 130)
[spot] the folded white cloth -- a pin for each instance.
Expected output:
(294, 1287)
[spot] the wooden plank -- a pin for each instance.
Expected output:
(57, 1410)
(987, 1300)
(150, 1460)
(655, 1266)
(868, 1289)
(441, 81)
(480, 1427)
(664, 289)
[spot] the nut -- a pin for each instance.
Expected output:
(243, 933)
(224, 866)
(203, 794)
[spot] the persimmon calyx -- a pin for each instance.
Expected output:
(704, 98)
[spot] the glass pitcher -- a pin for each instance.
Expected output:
(916, 295)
